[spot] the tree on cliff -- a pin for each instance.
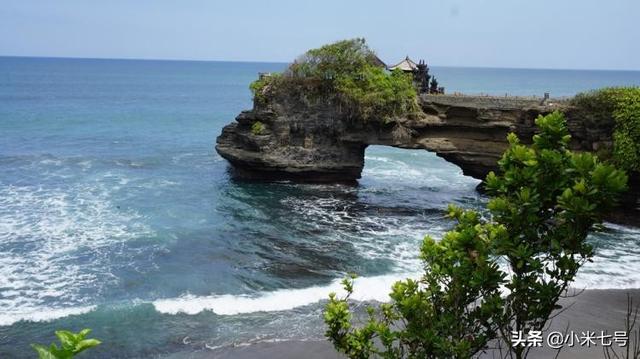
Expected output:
(349, 73)
(621, 105)
(544, 202)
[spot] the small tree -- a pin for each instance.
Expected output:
(448, 313)
(544, 203)
(548, 199)
(434, 85)
(622, 105)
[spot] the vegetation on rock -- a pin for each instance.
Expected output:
(545, 201)
(622, 104)
(348, 73)
(257, 128)
(71, 344)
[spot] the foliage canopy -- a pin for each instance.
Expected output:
(622, 104)
(349, 73)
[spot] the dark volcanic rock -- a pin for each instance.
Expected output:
(314, 141)
(300, 142)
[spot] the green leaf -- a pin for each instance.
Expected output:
(67, 339)
(71, 344)
(86, 344)
(43, 352)
(83, 333)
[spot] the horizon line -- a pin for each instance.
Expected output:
(286, 62)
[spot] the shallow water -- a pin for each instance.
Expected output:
(117, 214)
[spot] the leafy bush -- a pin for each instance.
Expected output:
(71, 345)
(375, 94)
(257, 128)
(623, 106)
(545, 201)
(342, 58)
(548, 199)
(447, 313)
(260, 87)
(347, 72)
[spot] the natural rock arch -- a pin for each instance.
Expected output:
(314, 142)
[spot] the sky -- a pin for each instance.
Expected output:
(564, 34)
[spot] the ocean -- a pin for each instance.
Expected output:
(117, 214)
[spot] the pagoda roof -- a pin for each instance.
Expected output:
(405, 65)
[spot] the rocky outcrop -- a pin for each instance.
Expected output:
(301, 142)
(315, 142)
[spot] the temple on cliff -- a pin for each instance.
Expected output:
(406, 65)
(421, 77)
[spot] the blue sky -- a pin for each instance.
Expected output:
(567, 34)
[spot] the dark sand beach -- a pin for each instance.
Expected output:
(592, 310)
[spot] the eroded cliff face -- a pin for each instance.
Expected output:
(315, 141)
(301, 141)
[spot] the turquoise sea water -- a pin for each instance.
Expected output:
(117, 214)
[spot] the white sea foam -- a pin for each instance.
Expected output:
(413, 169)
(395, 238)
(616, 264)
(42, 314)
(55, 245)
(39, 280)
(365, 289)
(373, 236)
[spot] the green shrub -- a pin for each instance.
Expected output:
(260, 86)
(348, 73)
(342, 58)
(71, 345)
(448, 313)
(257, 128)
(375, 94)
(545, 201)
(622, 105)
(548, 199)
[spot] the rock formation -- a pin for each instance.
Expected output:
(313, 141)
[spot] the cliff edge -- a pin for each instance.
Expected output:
(315, 142)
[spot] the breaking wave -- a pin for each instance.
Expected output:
(55, 246)
(365, 289)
